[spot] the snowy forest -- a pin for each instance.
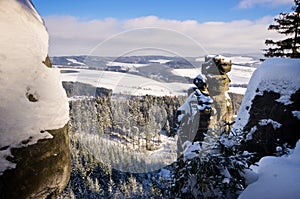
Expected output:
(110, 142)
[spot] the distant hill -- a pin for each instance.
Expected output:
(103, 62)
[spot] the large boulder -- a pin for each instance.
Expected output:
(34, 143)
(270, 112)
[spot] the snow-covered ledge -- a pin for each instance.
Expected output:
(280, 75)
(32, 98)
(34, 110)
(268, 118)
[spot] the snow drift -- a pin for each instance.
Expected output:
(278, 177)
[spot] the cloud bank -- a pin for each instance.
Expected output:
(245, 4)
(112, 37)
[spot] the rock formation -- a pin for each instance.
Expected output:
(193, 116)
(269, 114)
(34, 143)
(42, 170)
(215, 68)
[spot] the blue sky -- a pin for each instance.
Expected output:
(219, 26)
(207, 10)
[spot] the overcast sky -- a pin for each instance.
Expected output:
(177, 27)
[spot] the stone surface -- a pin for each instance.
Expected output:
(215, 69)
(265, 138)
(42, 171)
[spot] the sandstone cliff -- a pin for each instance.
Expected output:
(34, 143)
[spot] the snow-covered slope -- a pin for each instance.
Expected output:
(32, 98)
(124, 83)
(278, 177)
(129, 65)
(74, 61)
(280, 75)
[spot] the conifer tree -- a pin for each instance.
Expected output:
(287, 24)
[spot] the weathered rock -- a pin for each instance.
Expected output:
(280, 126)
(236, 100)
(269, 115)
(193, 117)
(42, 171)
(34, 143)
(47, 62)
(215, 69)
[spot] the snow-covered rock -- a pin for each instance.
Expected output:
(193, 116)
(278, 177)
(267, 113)
(32, 103)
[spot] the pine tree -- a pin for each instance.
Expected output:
(287, 24)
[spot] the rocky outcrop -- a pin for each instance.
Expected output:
(193, 117)
(42, 171)
(272, 126)
(34, 143)
(236, 100)
(215, 68)
(269, 115)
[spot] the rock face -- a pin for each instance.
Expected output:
(215, 69)
(34, 143)
(193, 117)
(269, 115)
(272, 124)
(42, 170)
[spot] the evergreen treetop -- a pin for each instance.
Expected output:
(287, 24)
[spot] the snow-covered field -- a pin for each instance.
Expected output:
(238, 74)
(124, 83)
(136, 85)
(241, 60)
(237, 60)
(160, 61)
(186, 72)
(129, 65)
(74, 61)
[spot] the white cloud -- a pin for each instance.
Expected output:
(244, 4)
(71, 36)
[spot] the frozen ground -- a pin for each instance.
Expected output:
(129, 65)
(124, 83)
(136, 85)
(242, 70)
